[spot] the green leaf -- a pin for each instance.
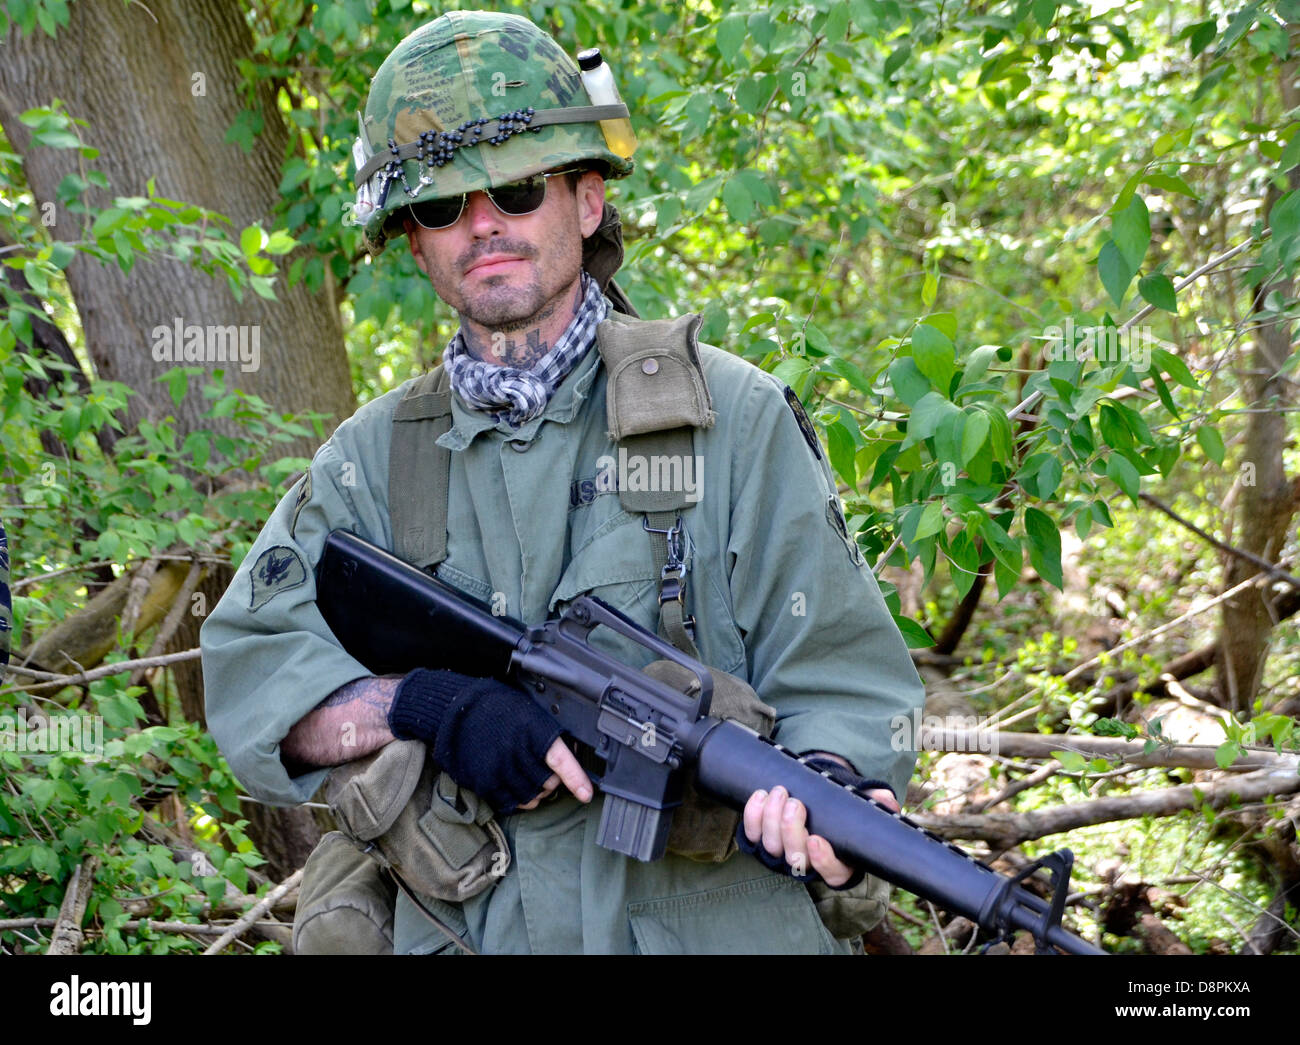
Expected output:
(280, 242)
(1121, 470)
(1201, 36)
(60, 254)
(1113, 727)
(1210, 82)
(931, 521)
(732, 31)
(934, 355)
(1071, 761)
(250, 240)
(843, 452)
(1044, 546)
(1227, 753)
(1159, 291)
(1044, 13)
(1116, 273)
(1211, 442)
(913, 634)
(908, 381)
(929, 289)
(977, 364)
(737, 199)
(930, 411)
(1290, 155)
(1284, 218)
(1170, 183)
(896, 59)
(1049, 478)
(1131, 231)
(1175, 368)
(974, 435)
(178, 383)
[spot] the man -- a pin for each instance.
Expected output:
(502, 198)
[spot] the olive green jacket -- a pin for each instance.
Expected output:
(782, 597)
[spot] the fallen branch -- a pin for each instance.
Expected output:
(48, 679)
(67, 938)
(254, 913)
(1005, 830)
(1041, 745)
(131, 925)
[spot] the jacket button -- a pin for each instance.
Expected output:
(650, 366)
(520, 446)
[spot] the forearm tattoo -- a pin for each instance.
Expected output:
(350, 723)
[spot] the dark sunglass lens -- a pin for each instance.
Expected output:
(438, 214)
(521, 197)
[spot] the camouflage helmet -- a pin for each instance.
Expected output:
(469, 101)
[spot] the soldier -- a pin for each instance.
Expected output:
(507, 473)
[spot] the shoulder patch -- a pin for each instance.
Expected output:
(304, 495)
(277, 569)
(835, 516)
(805, 425)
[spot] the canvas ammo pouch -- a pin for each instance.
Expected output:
(439, 837)
(703, 829)
(345, 903)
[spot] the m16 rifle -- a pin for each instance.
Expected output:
(393, 617)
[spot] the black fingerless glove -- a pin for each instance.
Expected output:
(851, 779)
(489, 736)
(842, 774)
(772, 863)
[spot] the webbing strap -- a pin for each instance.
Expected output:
(662, 509)
(419, 471)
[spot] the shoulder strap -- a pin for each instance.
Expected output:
(655, 398)
(419, 471)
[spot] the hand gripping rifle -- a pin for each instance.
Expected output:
(393, 617)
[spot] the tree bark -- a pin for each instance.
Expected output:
(1269, 502)
(159, 86)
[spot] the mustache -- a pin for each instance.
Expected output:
(515, 248)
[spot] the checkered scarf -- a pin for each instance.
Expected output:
(520, 395)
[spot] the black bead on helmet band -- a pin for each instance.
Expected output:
(437, 148)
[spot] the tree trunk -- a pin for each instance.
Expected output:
(159, 86)
(1268, 503)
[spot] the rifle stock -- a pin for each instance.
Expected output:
(393, 617)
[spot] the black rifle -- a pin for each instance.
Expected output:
(393, 617)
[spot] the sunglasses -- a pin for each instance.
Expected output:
(516, 199)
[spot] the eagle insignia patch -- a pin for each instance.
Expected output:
(277, 569)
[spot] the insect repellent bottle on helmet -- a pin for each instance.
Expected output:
(600, 85)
